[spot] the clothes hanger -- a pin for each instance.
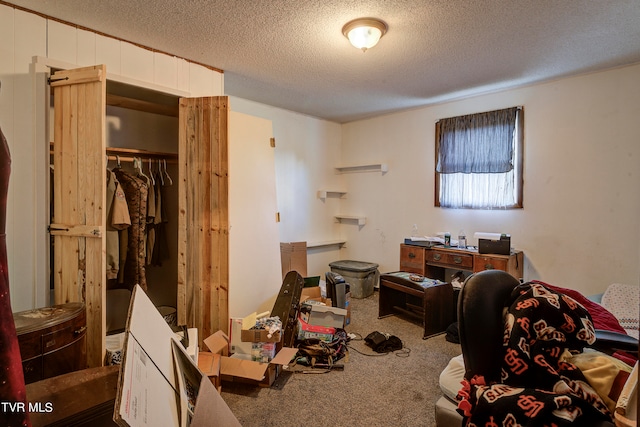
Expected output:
(153, 180)
(137, 166)
(160, 174)
(166, 173)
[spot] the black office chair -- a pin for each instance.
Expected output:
(481, 306)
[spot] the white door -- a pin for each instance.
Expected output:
(255, 275)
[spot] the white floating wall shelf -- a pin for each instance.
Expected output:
(361, 220)
(378, 167)
(323, 194)
(340, 243)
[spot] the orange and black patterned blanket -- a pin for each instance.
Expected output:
(538, 387)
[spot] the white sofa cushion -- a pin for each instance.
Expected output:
(451, 377)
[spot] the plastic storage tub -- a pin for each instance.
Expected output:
(361, 276)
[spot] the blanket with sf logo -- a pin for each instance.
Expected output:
(539, 387)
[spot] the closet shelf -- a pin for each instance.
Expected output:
(140, 105)
(339, 243)
(127, 154)
(360, 220)
(378, 167)
(323, 194)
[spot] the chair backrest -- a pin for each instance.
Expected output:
(481, 306)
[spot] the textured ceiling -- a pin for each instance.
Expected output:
(292, 54)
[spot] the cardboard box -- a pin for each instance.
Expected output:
(156, 368)
(236, 345)
(218, 343)
(313, 293)
(329, 317)
(294, 258)
(259, 335)
(307, 331)
(237, 368)
(209, 364)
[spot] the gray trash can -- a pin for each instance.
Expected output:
(361, 276)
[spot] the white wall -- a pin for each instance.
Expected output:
(580, 224)
(24, 35)
(307, 149)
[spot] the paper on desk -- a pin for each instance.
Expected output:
(435, 239)
(440, 240)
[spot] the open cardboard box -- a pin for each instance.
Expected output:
(259, 335)
(313, 293)
(209, 364)
(237, 369)
(256, 335)
(159, 384)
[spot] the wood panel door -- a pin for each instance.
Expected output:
(78, 223)
(203, 225)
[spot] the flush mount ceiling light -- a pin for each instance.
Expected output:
(364, 33)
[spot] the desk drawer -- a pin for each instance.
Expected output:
(490, 263)
(412, 259)
(452, 260)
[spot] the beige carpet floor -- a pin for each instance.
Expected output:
(396, 389)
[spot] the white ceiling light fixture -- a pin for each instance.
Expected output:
(364, 33)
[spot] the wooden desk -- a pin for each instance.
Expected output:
(429, 301)
(433, 262)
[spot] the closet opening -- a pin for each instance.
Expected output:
(141, 142)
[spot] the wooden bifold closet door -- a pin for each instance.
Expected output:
(79, 265)
(203, 228)
(79, 220)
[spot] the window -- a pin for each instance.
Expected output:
(479, 160)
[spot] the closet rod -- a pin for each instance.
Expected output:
(130, 159)
(133, 152)
(130, 153)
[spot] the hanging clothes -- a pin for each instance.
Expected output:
(136, 193)
(160, 251)
(118, 218)
(151, 216)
